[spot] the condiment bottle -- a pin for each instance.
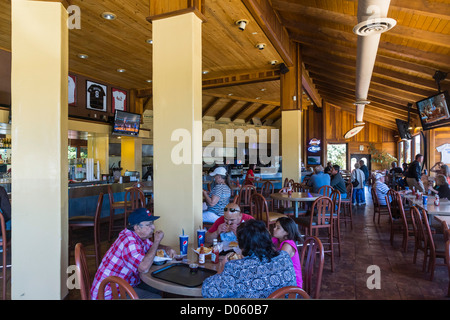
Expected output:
(215, 252)
(201, 255)
(436, 200)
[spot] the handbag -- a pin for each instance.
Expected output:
(355, 183)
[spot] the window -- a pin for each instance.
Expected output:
(417, 144)
(337, 154)
(408, 151)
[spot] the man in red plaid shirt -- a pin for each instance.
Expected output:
(132, 253)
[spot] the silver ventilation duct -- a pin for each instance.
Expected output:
(372, 22)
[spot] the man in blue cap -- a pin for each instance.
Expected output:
(132, 252)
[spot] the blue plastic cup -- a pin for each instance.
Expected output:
(201, 237)
(184, 242)
(425, 200)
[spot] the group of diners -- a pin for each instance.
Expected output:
(275, 256)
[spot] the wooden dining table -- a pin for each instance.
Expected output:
(174, 288)
(296, 197)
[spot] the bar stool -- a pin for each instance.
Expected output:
(113, 206)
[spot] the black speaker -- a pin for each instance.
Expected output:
(283, 69)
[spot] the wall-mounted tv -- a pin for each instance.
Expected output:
(403, 129)
(126, 123)
(434, 111)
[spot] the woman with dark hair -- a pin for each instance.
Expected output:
(262, 270)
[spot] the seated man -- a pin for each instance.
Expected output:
(225, 227)
(132, 253)
(381, 189)
(337, 181)
(318, 179)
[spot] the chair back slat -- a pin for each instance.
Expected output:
(312, 255)
(82, 272)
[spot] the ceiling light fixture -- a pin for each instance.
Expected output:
(242, 24)
(149, 41)
(149, 80)
(121, 70)
(260, 46)
(83, 56)
(205, 71)
(108, 16)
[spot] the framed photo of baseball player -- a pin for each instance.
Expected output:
(96, 96)
(119, 100)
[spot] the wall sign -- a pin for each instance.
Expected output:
(314, 145)
(95, 96)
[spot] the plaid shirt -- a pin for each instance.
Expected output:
(122, 260)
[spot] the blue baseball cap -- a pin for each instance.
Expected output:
(139, 215)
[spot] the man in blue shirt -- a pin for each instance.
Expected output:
(364, 169)
(318, 179)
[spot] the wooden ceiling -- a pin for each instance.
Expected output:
(241, 82)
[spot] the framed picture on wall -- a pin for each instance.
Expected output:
(96, 96)
(119, 100)
(72, 90)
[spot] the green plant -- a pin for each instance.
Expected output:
(382, 157)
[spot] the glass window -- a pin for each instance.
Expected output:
(72, 152)
(408, 151)
(337, 154)
(417, 144)
(400, 153)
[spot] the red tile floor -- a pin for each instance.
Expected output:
(367, 244)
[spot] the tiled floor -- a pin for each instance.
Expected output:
(367, 244)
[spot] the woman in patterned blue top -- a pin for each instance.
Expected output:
(219, 196)
(260, 272)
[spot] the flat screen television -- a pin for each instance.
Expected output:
(434, 111)
(403, 130)
(126, 123)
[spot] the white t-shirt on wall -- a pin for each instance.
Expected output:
(119, 100)
(71, 90)
(445, 152)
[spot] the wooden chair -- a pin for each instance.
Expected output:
(5, 243)
(447, 257)
(346, 206)
(377, 207)
(267, 189)
(260, 210)
(290, 292)
(298, 187)
(325, 190)
(421, 239)
(336, 199)
(312, 259)
(402, 225)
(119, 288)
(318, 220)
(244, 197)
(89, 221)
(82, 272)
(113, 206)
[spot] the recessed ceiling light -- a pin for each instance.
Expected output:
(148, 80)
(230, 94)
(263, 89)
(108, 16)
(205, 72)
(121, 70)
(150, 41)
(258, 98)
(83, 56)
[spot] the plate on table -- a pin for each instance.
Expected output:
(161, 257)
(207, 250)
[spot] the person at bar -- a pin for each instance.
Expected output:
(337, 181)
(224, 229)
(262, 270)
(414, 174)
(132, 252)
(250, 177)
(219, 196)
(318, 179)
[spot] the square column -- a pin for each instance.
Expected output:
(39, 148)
(291, 133)
(177, 123)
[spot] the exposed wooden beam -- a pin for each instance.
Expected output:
(308, 86)
(254, 113)
(240, 79)
(224, 96)
(227, 107)
(210, 104)
(435, 38)
(277, 108)
(267, 19)
(241, 110)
